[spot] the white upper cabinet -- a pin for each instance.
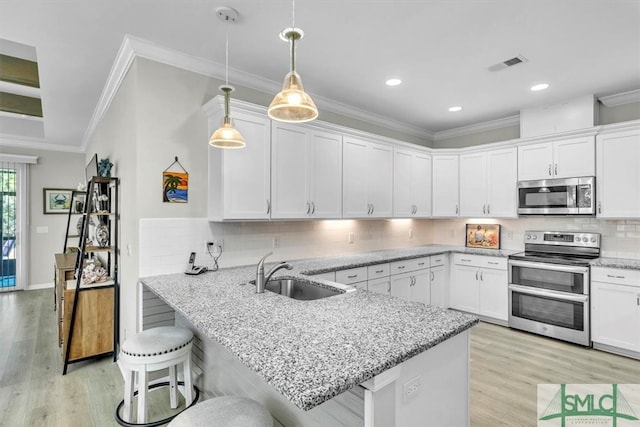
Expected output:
(558, 159)
(239, 180)
(445, 186)
(367, 186)
(488, 183)
(411, 184)
(306, 172)
(618, 174)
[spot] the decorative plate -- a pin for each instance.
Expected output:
(102, 235)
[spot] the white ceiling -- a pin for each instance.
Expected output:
(440, 49)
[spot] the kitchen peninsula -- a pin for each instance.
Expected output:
(354, 358)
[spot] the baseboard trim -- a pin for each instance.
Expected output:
(39, 286)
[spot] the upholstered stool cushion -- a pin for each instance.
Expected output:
(226, 411)
(156, 341)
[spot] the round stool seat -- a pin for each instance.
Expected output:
(157, 341)
(225, 411)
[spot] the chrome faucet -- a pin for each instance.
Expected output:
(261, 279)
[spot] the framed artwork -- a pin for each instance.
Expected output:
(56, 200)
(175, 184)
(485, 236)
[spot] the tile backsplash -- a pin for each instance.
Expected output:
(165, 243)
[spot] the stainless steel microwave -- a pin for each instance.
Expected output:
(566, 196)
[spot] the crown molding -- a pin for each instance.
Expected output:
(478, 127)
(18, 158)
(133, 47)
(621, 98)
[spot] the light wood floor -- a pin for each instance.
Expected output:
(506, 367)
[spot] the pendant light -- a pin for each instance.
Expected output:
(292, 104)
(227, 136)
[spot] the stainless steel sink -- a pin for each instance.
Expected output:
(301, 290)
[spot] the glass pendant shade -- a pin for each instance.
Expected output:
(226, 136)
(292, 104)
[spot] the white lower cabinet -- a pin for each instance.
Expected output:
(615, 309)
(380, 286)
(439, 278)
(479, 285)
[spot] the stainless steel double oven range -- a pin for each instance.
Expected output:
(549, 284)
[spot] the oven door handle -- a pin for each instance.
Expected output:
(544, 293)
(548, 266)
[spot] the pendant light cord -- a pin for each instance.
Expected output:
(226, 55)
(292, 40)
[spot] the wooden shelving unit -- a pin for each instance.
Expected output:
(89, 312)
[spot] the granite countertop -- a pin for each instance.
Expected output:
(311, 351)
(623, 263)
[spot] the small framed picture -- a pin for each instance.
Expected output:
(56, 200)
(485, 236)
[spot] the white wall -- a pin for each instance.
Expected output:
(55, 169)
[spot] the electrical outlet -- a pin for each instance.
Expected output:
(510, 235)
(351, 238)
(411, 389)
(276, 242)
(210, 245)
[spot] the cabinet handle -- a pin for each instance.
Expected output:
(549, 169)
(465, 260)
(268, 206)
(555, 171)
(421, 263)
(457, 209)
(599, 207)
(484, 209)
(488, 208)
(352, 277)
(389, 287)
(433, 276)
(308, 208)
(313, 208)
(379, 271)
(492, 262)
(476, 274)
(413, 281)
(638, 299)
(481, 278)
(401, 267)
(373, 208)
(369, 209)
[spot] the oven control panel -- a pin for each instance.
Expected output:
(564, 238)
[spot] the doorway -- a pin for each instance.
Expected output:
(13, 219)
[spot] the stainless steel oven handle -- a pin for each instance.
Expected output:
(543, 293)
(548, 266)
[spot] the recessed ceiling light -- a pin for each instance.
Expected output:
(541, 86)
(393, 82)
(456, 108)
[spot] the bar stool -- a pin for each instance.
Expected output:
(225, 411)
(153, 350)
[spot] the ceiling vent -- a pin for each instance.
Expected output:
(508, 63)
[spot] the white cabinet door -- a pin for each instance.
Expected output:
(289, 171)
(355, 176)
(502, 177)
(420, 290)
(439, 286)
(558, 159)
(535, 161)
(402, 197)
(473, 185)
(615, 315)
(494, 294)
(411, 184)
(421, 185)
(574, 157)
(463, 288)
(401, 285)
(445, 186)
(380, 286)
(618, 174)
(367, 187)
(239, 180)
(325, 175)
(381, 181)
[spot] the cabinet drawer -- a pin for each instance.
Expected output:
(404, 266)
(352, 275)
(498, 263)
(615, 275)
(377, 271)
(437, 260)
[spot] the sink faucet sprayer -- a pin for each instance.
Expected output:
(261, 279)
